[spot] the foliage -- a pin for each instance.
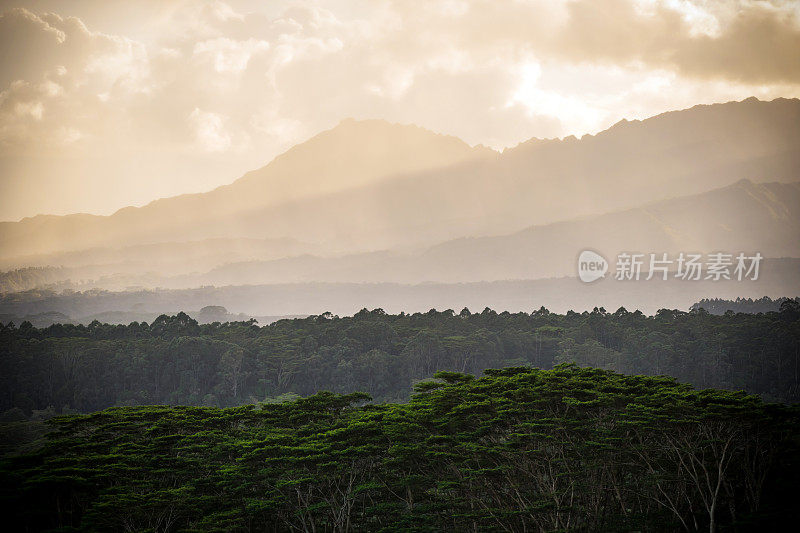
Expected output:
(177, 361)
(718, 306)
(519, 449)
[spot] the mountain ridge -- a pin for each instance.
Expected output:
(746, 221)
(475, 192)
(741, 217)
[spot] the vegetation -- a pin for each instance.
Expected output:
(176, 361)
(554, 441)
(718, 306)
(520, 449)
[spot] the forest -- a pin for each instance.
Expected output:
(520, 449)
(436, 421)
(174, 360)
(720, 306)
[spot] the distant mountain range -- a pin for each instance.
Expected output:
(369, 185)
(743, 217)
(371, 214)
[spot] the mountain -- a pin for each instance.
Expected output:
(745, 216)
(355, 153)
(369, 185)
(139, 265)
(168, 258)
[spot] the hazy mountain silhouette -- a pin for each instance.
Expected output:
(352, 154)
(744, 217)
(137, 265)
(169, 258)
(368, 185)
(780, 277)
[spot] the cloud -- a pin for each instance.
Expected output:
(209, 130)
(28, 45)
(227, 55)
(760, 45)
(32, 109)
(753, 42)
(232, 87)
(309, 66)
(742, 41)
(58, 76)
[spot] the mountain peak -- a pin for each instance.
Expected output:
(382, 127)
(353, 153)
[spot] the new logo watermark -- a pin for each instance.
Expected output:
(685, 266)
(591, 266)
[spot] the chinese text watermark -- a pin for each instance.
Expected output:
(685, 266)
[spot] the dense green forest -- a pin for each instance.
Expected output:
(521, 449)
(174, 360)
(554, 441)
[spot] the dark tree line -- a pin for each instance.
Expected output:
(176, 361)
(719, 306)
(519, 450)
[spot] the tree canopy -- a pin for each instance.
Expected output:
(520, 449)
(177, 361)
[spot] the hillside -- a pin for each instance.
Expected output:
(744, 216)
(152, 260)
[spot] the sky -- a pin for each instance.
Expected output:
(105, 104)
